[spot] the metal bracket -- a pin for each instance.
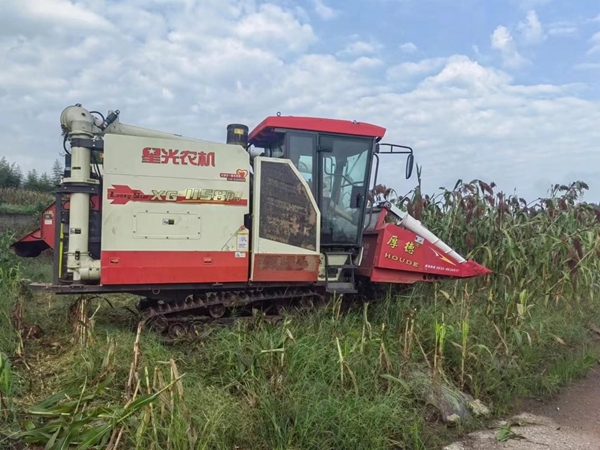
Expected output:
(77, 188)
(392, 147)
(92, 144)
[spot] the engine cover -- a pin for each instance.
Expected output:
(173, 211)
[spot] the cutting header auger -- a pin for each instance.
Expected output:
(211, 231)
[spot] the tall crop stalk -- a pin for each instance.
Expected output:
(5, 386)
(463, 359)
(440, 340)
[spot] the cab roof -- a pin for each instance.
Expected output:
(273, 125)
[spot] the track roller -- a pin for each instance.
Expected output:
(217, 311)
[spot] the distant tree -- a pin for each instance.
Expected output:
(45, 183)
(10, 174)
(57, 172)
(31, 181)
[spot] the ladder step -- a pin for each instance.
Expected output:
(341, 288)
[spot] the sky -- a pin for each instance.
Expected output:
(505, 91)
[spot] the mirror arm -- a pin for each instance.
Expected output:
(409, 151)
(392, 146)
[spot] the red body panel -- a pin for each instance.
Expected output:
(46, 230)
(400, 249)
(393, 254)
(162, 267)
(293, 268)
(42, 238)
(315, 124)
(398, 277)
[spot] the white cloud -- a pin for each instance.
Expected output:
(194, 67)
(323, 11)
(588, 66)
(527, 5)
(365, 62)
(595, 41)
(531, 30)
(408, 47)
(272, 28)
(66, 13)
(358, 48)
(596, 19)
(471, 119)
(410, 70)
(562, 29)
(461, 71)
(503, 41)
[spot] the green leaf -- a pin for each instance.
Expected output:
(50, 443)
(92, 436)
(28, 425)
(147, 399)
(387, 376)
(505, 433)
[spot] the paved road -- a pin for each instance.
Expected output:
(570, 421)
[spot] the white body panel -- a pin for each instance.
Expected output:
(170, 217)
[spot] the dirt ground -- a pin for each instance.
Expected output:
(569, 421)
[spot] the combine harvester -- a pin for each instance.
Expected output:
(208, 231)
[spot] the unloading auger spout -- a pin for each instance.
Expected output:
(411, 224)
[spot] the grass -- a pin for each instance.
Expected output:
(353, 377)
(22, 209)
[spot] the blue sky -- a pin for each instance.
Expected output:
(500, 90)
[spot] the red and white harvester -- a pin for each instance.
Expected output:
(205, 230)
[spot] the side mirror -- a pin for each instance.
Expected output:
(410, 162)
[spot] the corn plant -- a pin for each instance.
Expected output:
(71, 418)
(544, 254)
(23, 197)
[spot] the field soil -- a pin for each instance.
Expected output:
(568, 421)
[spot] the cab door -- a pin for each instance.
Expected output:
(301, 149)
(343, 164)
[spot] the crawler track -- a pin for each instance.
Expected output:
(188, 318)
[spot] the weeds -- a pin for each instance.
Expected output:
(344, 377)
(73, 417)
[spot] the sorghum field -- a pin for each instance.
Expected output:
(349, 376)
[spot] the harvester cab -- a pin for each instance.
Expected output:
(203, 229)
(339, 160)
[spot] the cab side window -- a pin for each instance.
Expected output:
(301, 149)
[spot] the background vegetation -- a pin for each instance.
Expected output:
(28, 194)
(350, 376)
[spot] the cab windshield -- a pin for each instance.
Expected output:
(344, 175)
(337, 170)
